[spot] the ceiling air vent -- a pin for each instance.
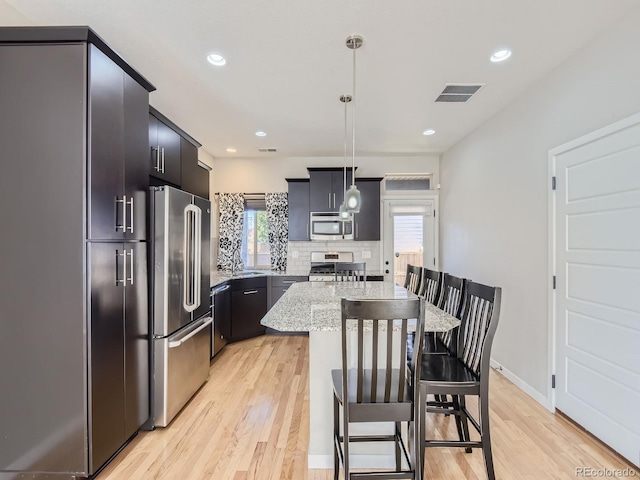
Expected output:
(267, 150)
(458, 92)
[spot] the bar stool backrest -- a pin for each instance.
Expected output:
(375, 379)
(479, 323)
(451, 296)
(412, 279)
(430, 286)
(351, 272)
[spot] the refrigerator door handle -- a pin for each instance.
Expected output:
(180, 339)
(197, 262)
(192, 249)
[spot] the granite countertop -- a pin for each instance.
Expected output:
(315, 306)
(218, 277)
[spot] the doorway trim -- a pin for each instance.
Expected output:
(602, 132)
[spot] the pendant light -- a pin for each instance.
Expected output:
(352, 196)
(344, 214)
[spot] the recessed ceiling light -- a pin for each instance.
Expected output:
(215, 59)
(429, 131)
(231, 150)
(261, 134)
(500, 55)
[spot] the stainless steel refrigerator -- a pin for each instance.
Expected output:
(181, 305)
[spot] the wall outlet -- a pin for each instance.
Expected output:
(294, 254)
(366, 254)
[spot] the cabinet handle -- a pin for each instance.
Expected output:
(334, 200)
(130, 279)
(124, 280)
(122, 227)
(250, 292)
(329, 199)
(162, 159)
(307, 230)
(130, 227)
(289, 282)
(357, 235)
(156, 150)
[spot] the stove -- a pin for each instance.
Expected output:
(323, 265)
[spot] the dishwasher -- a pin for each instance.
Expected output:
(221, 312)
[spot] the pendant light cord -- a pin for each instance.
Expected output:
(353, 123)
(344, 169)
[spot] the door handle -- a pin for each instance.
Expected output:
(176, 343)
(130, 279)
(250, 292)
(122, 227)
(156, 167)
(124, 279)
(130, 227)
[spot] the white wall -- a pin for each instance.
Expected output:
(493, 199)
(267, 174)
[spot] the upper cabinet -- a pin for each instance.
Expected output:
(164, 147)
(326, 188)
(367, 221)
(195, 179)
(298, 209)
(173, 157)
(118, 180)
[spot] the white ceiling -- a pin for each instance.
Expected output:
(287, 63)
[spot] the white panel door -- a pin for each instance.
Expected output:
(597, 307)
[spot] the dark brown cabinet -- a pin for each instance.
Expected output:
(164, 152)
(195, 179)
(298, 209)
(77, 128)
(326, 188)
(367, 221)
(280, 284)
(248, 306)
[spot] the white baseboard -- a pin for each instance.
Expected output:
(325, 462)
(522, 385)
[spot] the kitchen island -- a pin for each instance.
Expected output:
(314, 307)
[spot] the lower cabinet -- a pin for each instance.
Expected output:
(280, 284)
(119, 345)
(248, 306)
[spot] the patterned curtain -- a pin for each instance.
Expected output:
(231, 206)
(278, 223)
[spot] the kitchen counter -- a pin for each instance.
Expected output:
(218, 277)
(315, 306)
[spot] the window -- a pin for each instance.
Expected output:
(255, 237)
(408, 183)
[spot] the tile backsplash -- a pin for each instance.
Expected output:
(299, 254)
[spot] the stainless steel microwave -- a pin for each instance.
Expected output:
(329, 226)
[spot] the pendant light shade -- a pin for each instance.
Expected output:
(352, 196)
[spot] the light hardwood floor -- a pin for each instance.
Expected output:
(250, 421)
